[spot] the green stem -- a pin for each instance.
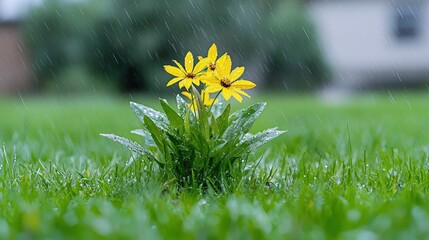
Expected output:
(214, 100)
(193, 103)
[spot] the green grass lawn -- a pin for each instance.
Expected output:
(354, 169)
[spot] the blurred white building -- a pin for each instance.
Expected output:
(13, 9)
(369, 43)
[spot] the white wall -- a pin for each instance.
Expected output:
(13, 9)
(357, 38)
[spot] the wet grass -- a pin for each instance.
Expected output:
(354, 169)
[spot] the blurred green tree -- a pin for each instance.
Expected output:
(294, 59)
(125, 43)
(55, 36)
(129, 42)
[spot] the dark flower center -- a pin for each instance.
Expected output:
(190, 75)
(212, 66)
(225, 82)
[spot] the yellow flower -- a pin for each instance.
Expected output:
(211, 59)
(205, 97)
(188, 75)
(226, 81)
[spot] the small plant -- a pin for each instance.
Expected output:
(201, 144)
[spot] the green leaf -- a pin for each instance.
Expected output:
(197, 97)
(147, 138)
(133, 146)
(254, 141)
(173, 117)
(182, 106)
(201, 143)
(187, 123)
(222, 120)
(234, 116)
(218, 149)
(159, 118)
(203, 117)
(218, 108)
(213, 128)
(160, 138)
(155, 132)
(243, 122)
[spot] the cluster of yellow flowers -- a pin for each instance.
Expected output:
(214, 73)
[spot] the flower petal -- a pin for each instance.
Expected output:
(227, 93)
(196, 81)
(223, 66)
(181, 84)
(237, 96)
(216, 75)
(204, 95)
(242, 92)
(189, 62)
(192, 106)
(236, 73)
(203, 78)
(243, 84)
(179, 66)
(215, 87)
(212, 54)
(228, 64)
(173, 81)
(211, 80)
(187, 94)
(187, 82)
(201, 65)
(206, 98)
(209, 102)
(174, 71)
(222, 57)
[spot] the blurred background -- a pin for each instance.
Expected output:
(78, 46)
